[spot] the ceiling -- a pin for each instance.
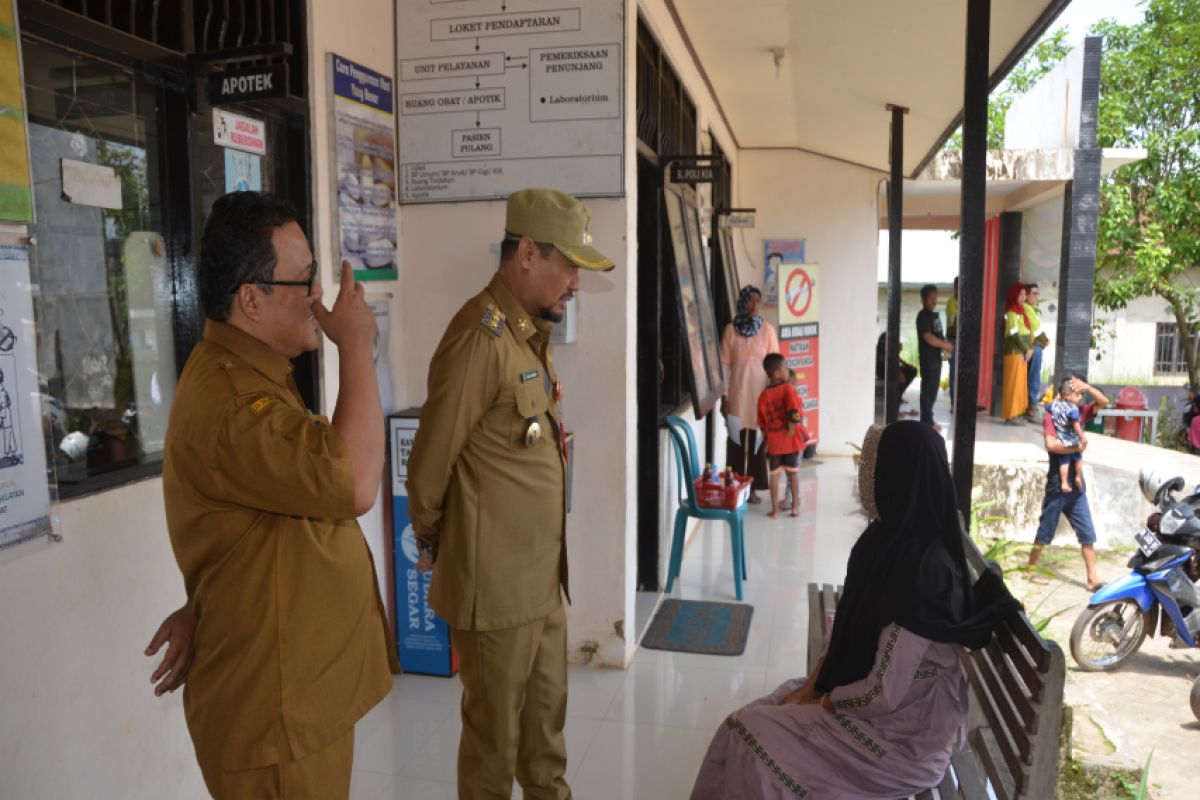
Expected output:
(843, 62)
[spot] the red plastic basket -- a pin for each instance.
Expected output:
(714, 495)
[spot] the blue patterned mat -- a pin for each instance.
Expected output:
(697, 626)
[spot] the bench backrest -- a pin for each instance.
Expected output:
(1016, 690)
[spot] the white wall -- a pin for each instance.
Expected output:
(79, 716)
(1047, 116)
(363, 32)
(834, 207)
(1126, 351)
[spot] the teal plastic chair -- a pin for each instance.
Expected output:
(688, 469)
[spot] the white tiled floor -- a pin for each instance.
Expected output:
(641, 732)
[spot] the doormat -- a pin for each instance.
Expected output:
(696, 626)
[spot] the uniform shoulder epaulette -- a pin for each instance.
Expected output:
(493, 319)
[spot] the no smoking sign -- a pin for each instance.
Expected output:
(799, 295)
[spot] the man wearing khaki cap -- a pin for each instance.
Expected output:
(486, 497)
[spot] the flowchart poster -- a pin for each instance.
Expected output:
(500, 95)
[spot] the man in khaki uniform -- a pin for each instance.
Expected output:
(292, 646)
(486, 497)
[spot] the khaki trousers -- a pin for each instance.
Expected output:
(514, 708)
(323, 775)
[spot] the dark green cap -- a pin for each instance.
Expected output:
(551, 217)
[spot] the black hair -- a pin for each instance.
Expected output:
(1030, 286)
(1064, 384)
(237, 247)
(927, 290)
(772, 362)
(508, 247)
(774, 255)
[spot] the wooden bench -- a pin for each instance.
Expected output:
(1016, 708)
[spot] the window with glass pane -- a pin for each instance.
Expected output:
(104, 299)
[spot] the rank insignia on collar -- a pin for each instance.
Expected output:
(522, 324)
(493, 320)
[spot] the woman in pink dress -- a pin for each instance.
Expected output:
(745, 343)
(888, 703)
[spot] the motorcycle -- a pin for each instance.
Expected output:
(1159, 594)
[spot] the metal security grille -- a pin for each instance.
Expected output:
(666, 116)
(1169, 357)
(152, 20)
(192, 27)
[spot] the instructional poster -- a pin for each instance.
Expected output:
(799, 337)
(24, 494)
(365, 136)
(495, 97)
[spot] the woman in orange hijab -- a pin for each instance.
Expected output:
(1018, 348)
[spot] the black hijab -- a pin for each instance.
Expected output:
(743, 323)
(909, 566)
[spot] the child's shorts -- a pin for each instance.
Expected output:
(788, 461)
(1057, 460)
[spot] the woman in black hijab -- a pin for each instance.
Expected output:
(888, 704)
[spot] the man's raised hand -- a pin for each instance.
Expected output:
(350, 322)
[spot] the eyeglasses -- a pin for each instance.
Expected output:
(308, 284)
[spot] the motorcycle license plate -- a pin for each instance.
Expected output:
(1147, 542)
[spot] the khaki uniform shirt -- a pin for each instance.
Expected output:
(292, 645)
(489, 501)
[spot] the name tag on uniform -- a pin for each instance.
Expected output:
(526, 377)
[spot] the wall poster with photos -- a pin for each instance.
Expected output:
(695, 298)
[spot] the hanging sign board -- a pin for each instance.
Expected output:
(742, 220)
(238, 132)
(693, 172)
(245, 85)
(799, 337)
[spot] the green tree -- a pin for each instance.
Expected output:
(1037, 61)
(1148, 238)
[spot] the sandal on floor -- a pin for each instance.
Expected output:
(754, 499)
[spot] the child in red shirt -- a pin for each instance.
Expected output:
(780, 418)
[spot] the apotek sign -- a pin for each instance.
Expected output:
(241, 86)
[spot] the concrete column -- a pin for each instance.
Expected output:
(1081, 209)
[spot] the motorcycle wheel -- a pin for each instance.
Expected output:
(1106, 636)
(1196, 697)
